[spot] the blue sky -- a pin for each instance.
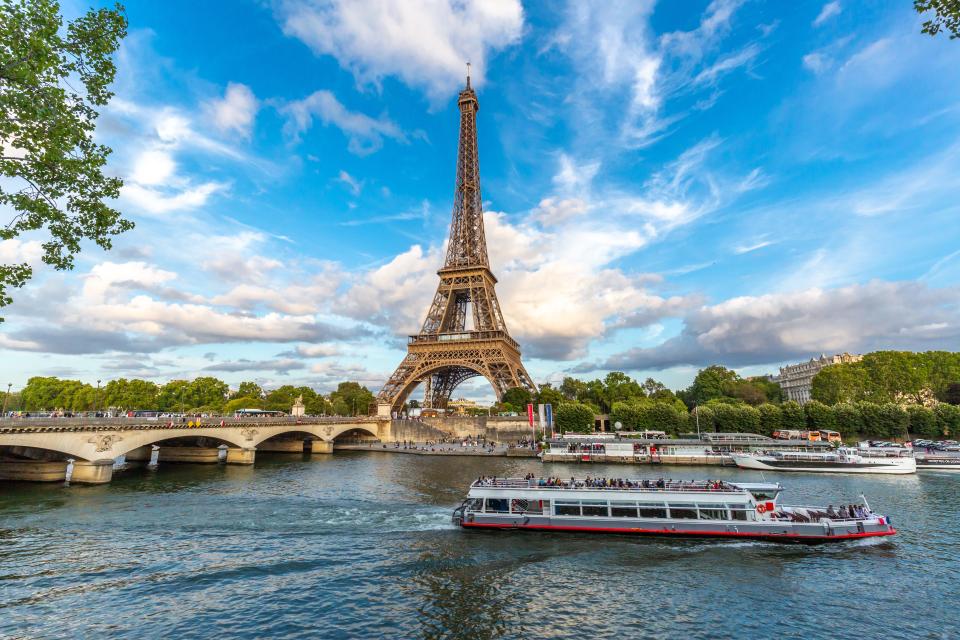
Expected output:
(666, 185)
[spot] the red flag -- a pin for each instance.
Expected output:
(530, 414)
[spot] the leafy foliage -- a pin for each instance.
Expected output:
(52, 168)
(889, 376)
(946, 15)
(574, 416)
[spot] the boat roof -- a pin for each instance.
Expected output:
(669, 487)
(661, 442)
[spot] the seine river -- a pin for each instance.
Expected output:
(360, 545)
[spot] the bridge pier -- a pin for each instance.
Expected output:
(241, 456)
(33, 470)
(96, 472)
(321, 446)
(282, 446)
(141, 456)
(198, 455)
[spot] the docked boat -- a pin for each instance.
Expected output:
(842, 460)
(943, 462)
(643, 507)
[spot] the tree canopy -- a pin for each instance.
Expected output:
(51, 167)
(945, 16)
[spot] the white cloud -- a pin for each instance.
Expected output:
(747, 248)
(157, 201)
(828, 11)
(423, 42)
(153, 167)
(16, 251)
(366, 134)
(777, 327)
(727, 64)
(352, 183)
(236, 111)
(817, 62)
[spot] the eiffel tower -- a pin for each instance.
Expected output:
(448, 350)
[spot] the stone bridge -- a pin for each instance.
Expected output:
(95, 444)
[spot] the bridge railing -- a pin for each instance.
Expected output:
(23, 423)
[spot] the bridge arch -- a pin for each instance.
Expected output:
(470, 370)
(129, 441)
(17, 449)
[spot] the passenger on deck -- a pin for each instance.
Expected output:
(843, 514)
(831, 513)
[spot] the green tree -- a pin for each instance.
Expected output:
(792, 416)
(848, 418)
(574, 417)
(130, 394)
(701, 419)
(946, 16)
(731, 418)
(666, 416)
(243, 402)
(619, 386)
(948, 419)
(517, 397)
(923, 422)
(770, 418)
(548, 395)
(52, 168)
(819, 416)
(248, 390)
(40, 393)
(952, 394)
(711, 383)
(351, 398)
(573, 389)
(840, 383)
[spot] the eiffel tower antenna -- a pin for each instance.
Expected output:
(464, 334)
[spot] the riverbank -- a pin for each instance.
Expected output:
(443, 449)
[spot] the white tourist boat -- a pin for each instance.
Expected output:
(842, 460)
(929, 461)
(642, 507)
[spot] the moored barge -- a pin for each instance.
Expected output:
(643, 507)
(843, 460)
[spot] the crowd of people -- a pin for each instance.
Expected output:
(614, 483)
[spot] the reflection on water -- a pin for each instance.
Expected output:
(360, 545)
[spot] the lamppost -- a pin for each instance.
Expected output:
(181, 401)
(3, 414)
(96, 404)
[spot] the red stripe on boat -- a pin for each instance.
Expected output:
(733, 534)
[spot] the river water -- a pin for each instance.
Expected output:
(360, 544)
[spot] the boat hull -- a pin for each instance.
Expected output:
(784, 532)
(750, 462)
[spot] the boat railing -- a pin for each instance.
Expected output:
(820, 509)
(668, 487)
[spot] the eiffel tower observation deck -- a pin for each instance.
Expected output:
(464, 334)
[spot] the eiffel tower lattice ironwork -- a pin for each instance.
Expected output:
(448, 350)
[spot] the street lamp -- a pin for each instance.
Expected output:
(96, 404)
(181, 401)
(3, 413)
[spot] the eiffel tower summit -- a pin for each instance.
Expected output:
(464, 334)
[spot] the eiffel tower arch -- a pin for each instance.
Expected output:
(463, 335)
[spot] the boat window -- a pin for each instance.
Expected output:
(712, 512)
(623, 509)
(566, 508)
(687, 511)
(519, 505)
(475, 505)
(595, 508)
(653, 510)
(498, 505)
(738, 511)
